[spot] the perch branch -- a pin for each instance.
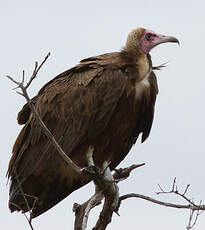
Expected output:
(111, 194)
(101, 178)
(82, 211)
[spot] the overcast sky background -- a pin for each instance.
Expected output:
(72, 30)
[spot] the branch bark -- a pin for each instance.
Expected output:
(82, 211)
(166, 204)
(105, 188)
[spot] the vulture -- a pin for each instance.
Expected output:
(105, 101)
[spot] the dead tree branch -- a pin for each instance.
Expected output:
(166, 204)
(33, 109)
(174, 190)
(104, 189)
(82, 211)
(198, 208)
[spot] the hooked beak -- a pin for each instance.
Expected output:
(164, 39)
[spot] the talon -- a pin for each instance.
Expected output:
(117, 213)
(91, 171)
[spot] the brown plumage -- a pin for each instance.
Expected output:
(105, 101)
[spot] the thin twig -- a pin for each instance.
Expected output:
(22, 192)
(190, 224)
(25, 198)
(28, 219)
(36, 70)
(192, 206)
(186, 189)
(174, 190)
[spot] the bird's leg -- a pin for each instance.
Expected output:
(82, 211)
(111, 201)
(111, 188)
(103, 179)
(89, 156)
(91, 170)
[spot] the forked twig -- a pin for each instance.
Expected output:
(191, 204)
(192, 223)
(174, 190)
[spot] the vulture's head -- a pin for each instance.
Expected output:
(141, 40)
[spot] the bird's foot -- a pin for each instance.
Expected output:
(92, 171)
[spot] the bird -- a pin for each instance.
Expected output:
(105, 101)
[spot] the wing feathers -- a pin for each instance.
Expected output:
(74, 109)
(77, 106)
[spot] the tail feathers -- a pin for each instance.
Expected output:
(21, 203)
(39, 197)
(20, 197)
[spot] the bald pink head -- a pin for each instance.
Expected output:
(150, 39)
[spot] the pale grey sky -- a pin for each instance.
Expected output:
(72, 30)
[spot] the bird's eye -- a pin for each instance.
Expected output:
(148, 36)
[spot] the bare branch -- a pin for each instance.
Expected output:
(161, 189)
(82, 211)
(125, 172)
(22, 192)
(23, 77)
(166, 204)
(192, 206)
(105, 186)
(36, 70)
(17, 83)
(174, 190)
(192, 223)
(26, 201)
(43, 126)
